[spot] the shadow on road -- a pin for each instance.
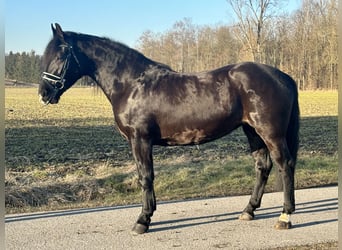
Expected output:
(312, 207)
(318, 206)
(202, 220)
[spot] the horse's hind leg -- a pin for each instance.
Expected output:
(263, 166)
(282, 158)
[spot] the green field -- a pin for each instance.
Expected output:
(70, 155)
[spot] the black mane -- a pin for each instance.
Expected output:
(112, 47)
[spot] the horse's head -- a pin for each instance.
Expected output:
(61, 67)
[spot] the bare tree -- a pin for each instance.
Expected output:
(302, 43)
(252, 16)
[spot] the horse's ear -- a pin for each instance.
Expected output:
(58, 32)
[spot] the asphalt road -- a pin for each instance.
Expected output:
(199, 224)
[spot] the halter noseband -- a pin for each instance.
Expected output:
(58, 81)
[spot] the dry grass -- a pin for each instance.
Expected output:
(318, 103)
(69, 155)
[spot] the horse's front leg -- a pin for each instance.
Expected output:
(142, 152)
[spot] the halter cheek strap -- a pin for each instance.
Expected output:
(58, 81)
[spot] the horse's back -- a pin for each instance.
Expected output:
(260, 76)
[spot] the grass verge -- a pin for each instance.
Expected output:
(70, 155)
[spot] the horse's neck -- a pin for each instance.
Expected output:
(114, 68)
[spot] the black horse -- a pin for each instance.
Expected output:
(154, 105)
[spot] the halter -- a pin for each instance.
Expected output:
(58, 81)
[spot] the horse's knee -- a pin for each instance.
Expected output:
(146, 183)
(263, 161)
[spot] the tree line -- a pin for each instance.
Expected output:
(26, 67)
(302, 43)
(23, 66)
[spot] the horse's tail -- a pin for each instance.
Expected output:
(292, 135)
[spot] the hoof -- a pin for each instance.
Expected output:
(280, 225)
(246, 216)
(139, 228)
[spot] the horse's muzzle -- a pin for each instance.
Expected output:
(48, 101)
(41, 100)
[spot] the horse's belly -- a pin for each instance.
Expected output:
(203, 122)
(199, 135)
(188, 136)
